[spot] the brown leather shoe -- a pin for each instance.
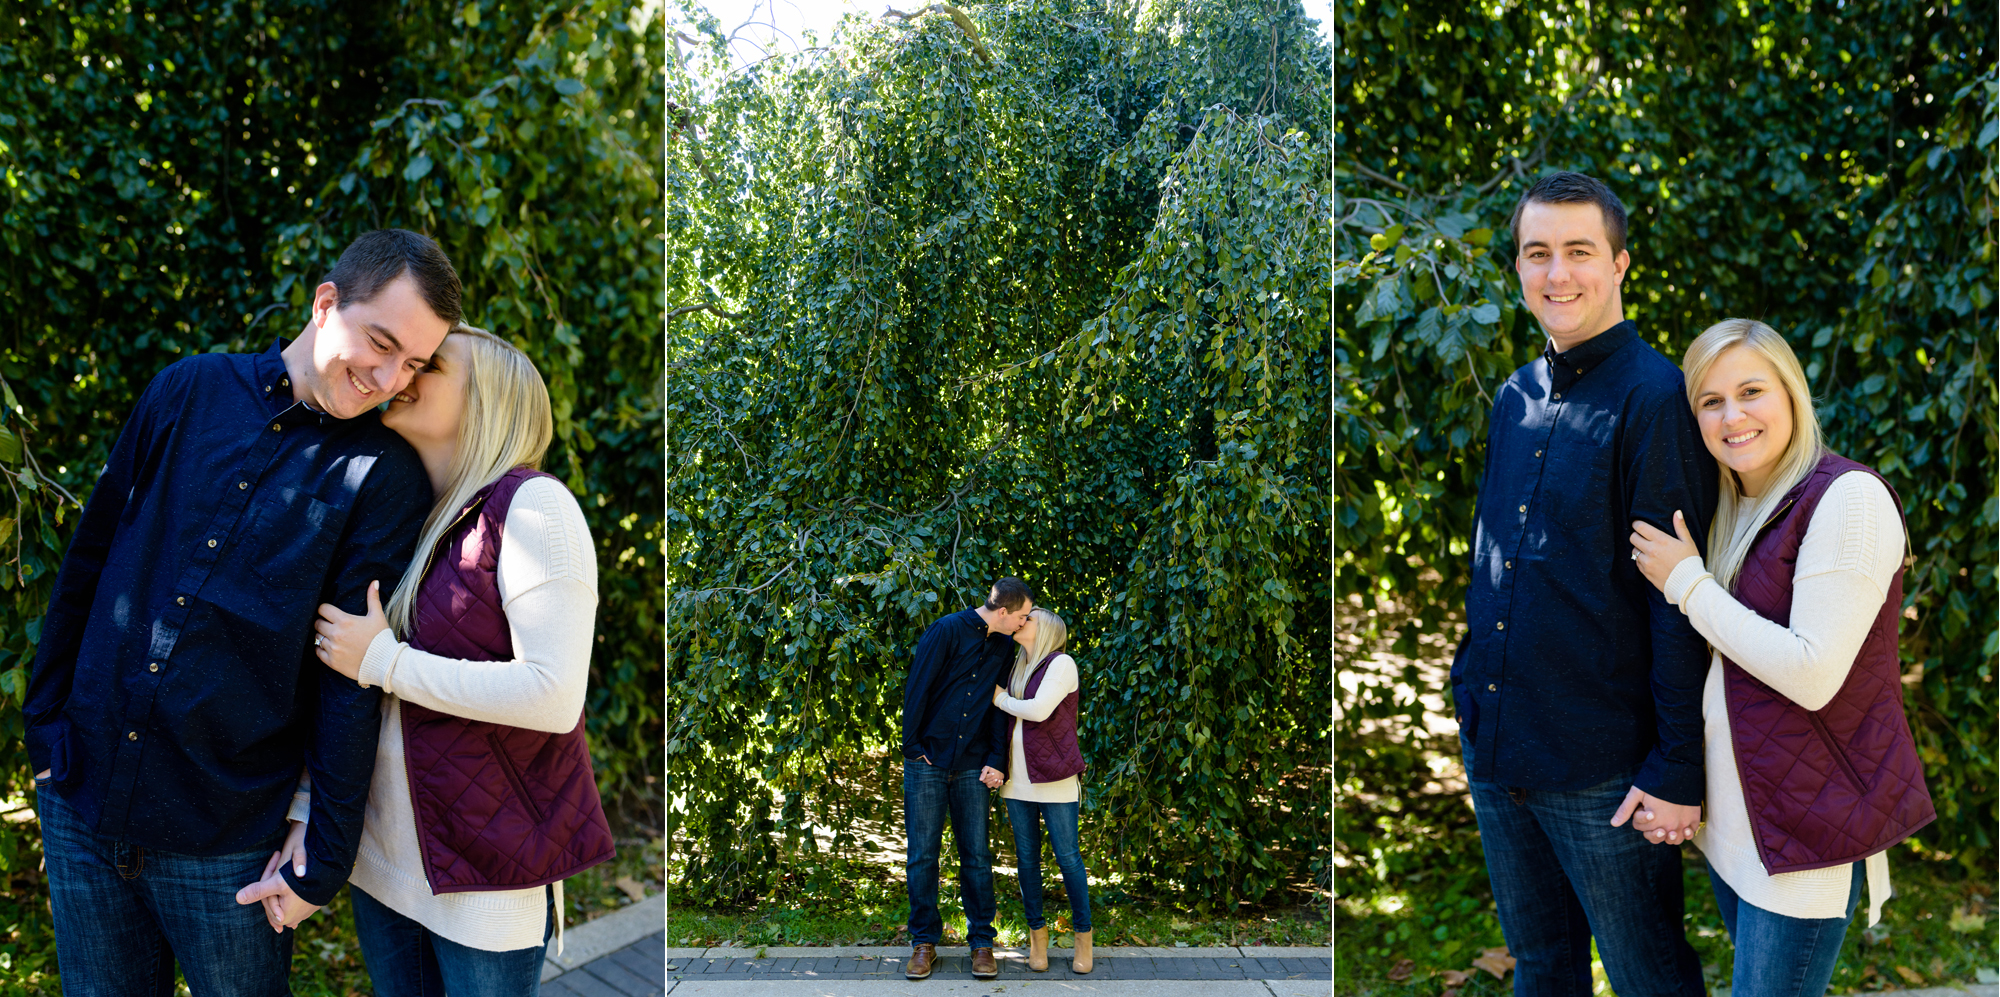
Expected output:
(983, 966)
(922, 958)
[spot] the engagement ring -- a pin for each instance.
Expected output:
(1635, 553)
(319, 639)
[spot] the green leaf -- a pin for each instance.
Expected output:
(569, 87)
(419, 168)
(10, 447)
(1486, 314)
(1479, 236)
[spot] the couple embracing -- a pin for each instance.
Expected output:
(1682, 606)
(322, 621)
(991, 703)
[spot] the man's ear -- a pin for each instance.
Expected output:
(326, 298)
(1624, 264)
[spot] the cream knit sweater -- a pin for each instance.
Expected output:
(548, 588)
(1846, 561)
(1059, 681)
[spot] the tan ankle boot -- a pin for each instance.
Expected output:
(1038, 949)
(1081, 963)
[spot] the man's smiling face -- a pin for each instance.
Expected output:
(367, 351)
(1569, 275)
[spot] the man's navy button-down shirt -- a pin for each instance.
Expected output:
(1574, 669)
(174, 693)
(948, 713)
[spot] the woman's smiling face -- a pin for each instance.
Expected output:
(1745, 415)
(429, 409)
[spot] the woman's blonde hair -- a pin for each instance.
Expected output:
(507, 423)
(1738, 516)
(1051, 633)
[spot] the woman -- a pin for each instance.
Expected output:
(1042, 787)
(1812, 772)
(483, 798)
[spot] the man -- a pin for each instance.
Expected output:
(951, 758)
(174, 700)
(1578, 687)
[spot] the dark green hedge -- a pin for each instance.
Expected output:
(173, 180)
(1828, 169)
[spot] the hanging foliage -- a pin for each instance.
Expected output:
(1036, 288)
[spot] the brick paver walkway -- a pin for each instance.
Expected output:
(1012, 967)
(637, 970)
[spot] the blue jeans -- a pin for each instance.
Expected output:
(406, 959)
(930, 795)
(1779, 956)
(1562, 874)
(1026, 818)
(125, 914)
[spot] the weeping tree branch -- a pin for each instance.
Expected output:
(958, 17)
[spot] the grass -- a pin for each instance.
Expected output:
(871, 905)
(326, 957)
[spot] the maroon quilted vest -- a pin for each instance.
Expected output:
(1050, 745)
(497, 807)
(1836, 785)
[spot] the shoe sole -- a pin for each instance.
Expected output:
(925, 975)
(986, 976)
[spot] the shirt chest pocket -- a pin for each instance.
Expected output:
(290, 541)
(1576, 491)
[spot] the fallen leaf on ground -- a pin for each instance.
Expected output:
(1449, 992)
(1937, 966)
(1868, 971)
(1914, 977)
(1455, 978)
(1402, 970)
(1966, 923)
(1495, 961)
(631, 888)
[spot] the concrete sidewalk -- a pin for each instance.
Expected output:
(1121, 971)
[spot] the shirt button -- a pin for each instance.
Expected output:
(211, 543)
(1502, 625)
(131, 735)
(1492, 688)
(1559, 396)
(1579, 370)
(274, 426)
(154, 667)
(1510, 565)
(180, 600)
(1538, 453)
(242, 485)
(1524, 508)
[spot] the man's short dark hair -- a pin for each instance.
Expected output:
(1575, 188)
(1010, 594)
(369, 263)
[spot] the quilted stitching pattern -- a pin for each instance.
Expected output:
(497, 807)
(1050, 745)
(1836, 786)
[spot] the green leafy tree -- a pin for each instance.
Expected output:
(1829, 171)
(1034, 288)
(174, 180)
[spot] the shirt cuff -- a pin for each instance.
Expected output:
(379, 660)
(1681, 582)
(301, 808)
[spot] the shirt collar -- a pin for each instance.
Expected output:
(1566, 367)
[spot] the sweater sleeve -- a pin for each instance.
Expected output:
(1849, 555)
(548, 588)
(1059, 682)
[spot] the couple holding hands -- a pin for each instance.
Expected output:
(991, 703)
(322, 621)
(1682, 614)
